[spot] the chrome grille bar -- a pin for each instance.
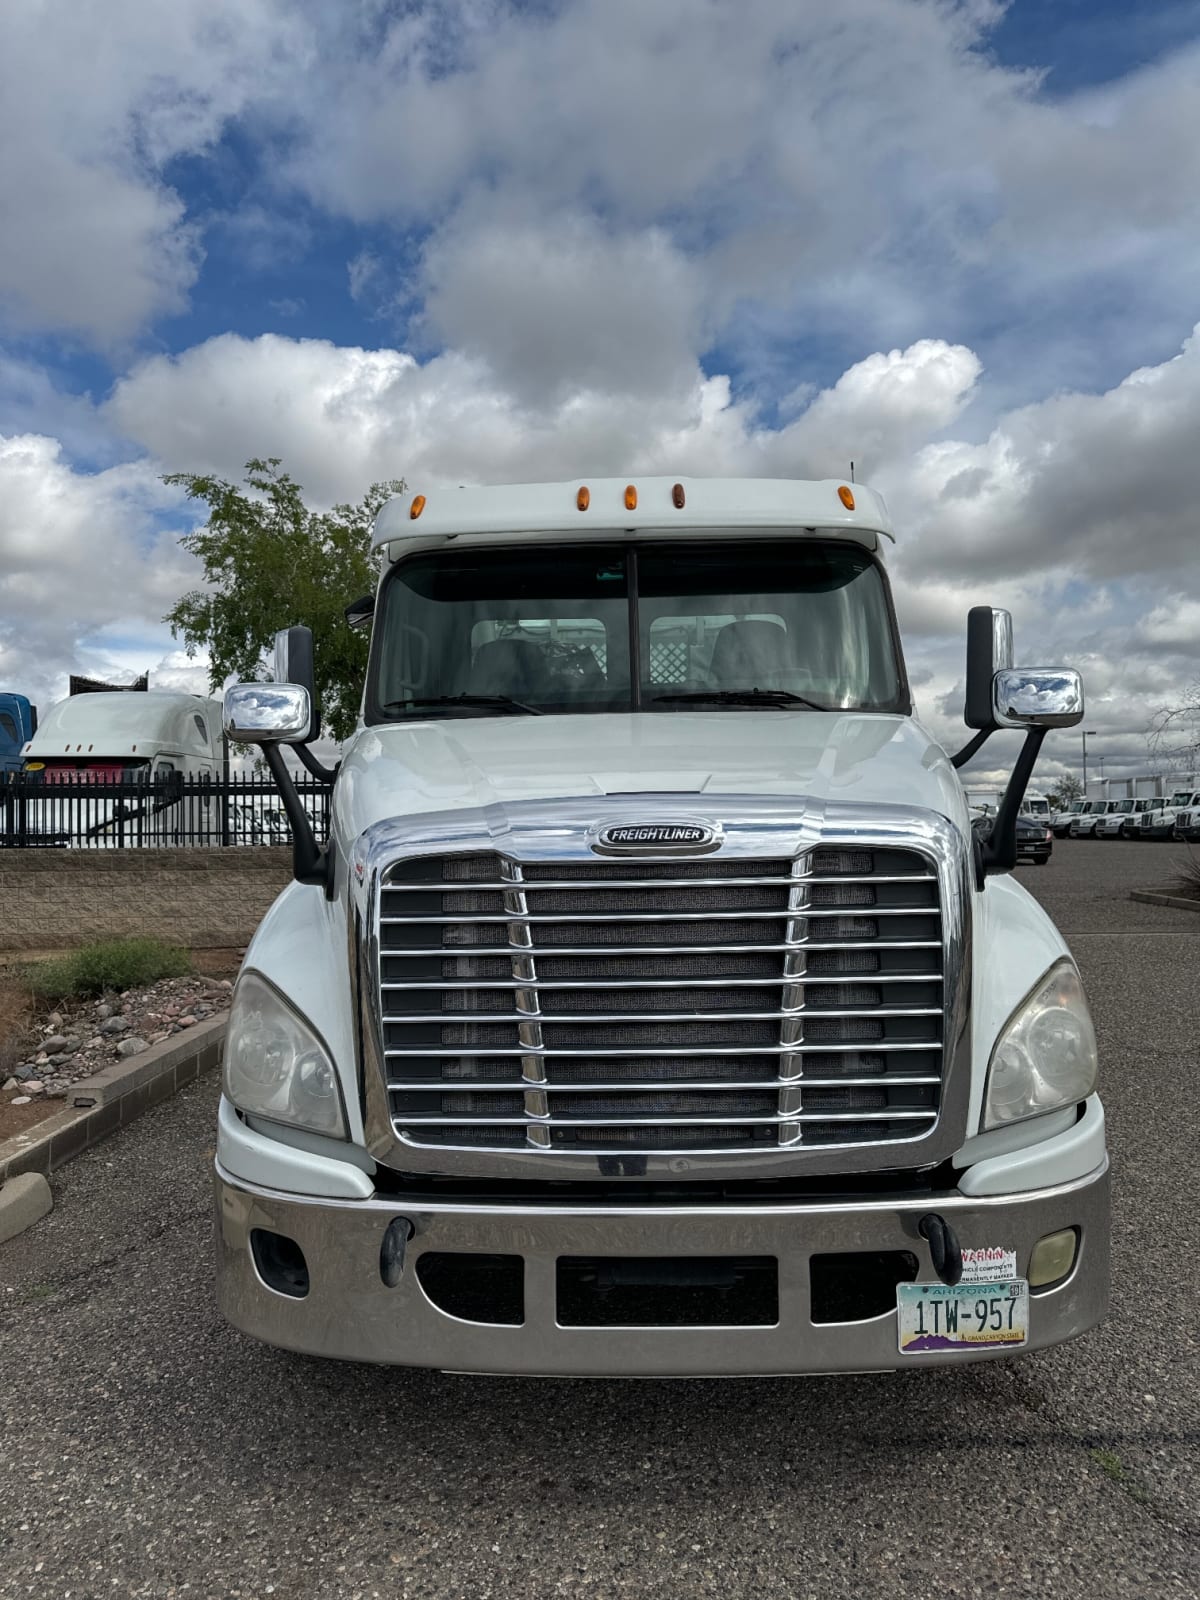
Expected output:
(786, 1063)
(635, 1086)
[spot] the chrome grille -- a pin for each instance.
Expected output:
(638, 1006)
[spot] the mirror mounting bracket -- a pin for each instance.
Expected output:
(972, 747)
(998, 852)
(310, 864)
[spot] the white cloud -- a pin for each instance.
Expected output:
(95, 103)
(86, 575)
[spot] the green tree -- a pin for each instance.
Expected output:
(269, 561)
(1067, 788)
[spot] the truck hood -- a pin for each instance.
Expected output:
(493, 762)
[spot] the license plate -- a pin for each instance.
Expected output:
(976, 1316)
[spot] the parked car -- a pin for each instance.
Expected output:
(1121, 822)
(1035, 840)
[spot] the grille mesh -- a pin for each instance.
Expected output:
(641, 1006)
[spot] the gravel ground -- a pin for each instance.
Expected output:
(147, 1450)
(54, 1051)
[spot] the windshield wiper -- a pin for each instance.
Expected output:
(780, 698)
(501, 704)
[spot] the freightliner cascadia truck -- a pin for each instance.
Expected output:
(652, 1007)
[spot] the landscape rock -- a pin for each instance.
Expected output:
(92, 1034)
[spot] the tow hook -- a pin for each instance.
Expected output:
(392, 1250)
(944, 1247)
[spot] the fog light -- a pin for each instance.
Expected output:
(1053, 1257)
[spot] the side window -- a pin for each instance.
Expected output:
(201, 729)
(163, 769)
(8, 727)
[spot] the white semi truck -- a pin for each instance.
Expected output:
(128, 741)
(652, 1008)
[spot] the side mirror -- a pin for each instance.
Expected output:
(1037, 697)
(360, 612)
(267, 713)
(989, 651)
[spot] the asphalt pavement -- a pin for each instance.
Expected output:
(148, 1450)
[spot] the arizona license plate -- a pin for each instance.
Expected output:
(976, 1316)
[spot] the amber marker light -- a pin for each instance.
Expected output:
(630, 497)
(846, 496)
(417, 507)
(583, 499)
(678, 497)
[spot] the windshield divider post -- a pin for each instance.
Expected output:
(635, 638)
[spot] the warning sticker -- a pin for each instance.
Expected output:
(991, 1264)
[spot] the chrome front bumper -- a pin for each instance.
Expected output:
(348, 1313)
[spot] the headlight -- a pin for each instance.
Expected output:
(1045, 1058)
(275, 1065)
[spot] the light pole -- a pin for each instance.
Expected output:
(1089, 733)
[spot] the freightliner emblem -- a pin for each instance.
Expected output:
(657, 838)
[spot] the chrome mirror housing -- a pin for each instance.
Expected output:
(1037, 697)
(989, 651)
(267, 713)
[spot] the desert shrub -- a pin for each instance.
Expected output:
(1187, 878)
(112, 964)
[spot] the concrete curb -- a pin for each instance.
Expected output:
(113, 1098)
(24, 1200)
(1151, 897)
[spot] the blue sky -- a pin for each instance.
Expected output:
(951, 239)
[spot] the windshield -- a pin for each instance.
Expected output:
(593, 628)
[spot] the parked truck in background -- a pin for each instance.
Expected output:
(138, 740)
(652, 1007)
(1160, 823)
(18, 724)
(1061, 820)
(1120, 821)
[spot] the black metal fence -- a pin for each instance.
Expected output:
(172, 810)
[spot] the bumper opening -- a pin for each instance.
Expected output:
(280, 1262)
(668, 1291)
(473, 1286)
(856, 1285)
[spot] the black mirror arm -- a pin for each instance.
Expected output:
(310, 864)
(998, 852)
(318, 768)
(972, 747)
